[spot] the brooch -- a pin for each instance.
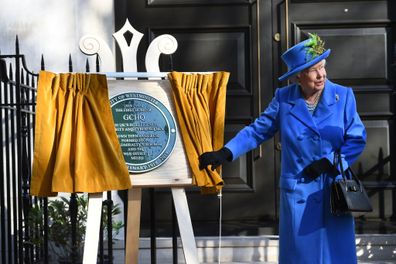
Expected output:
(337, 97)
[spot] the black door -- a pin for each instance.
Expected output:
(212, 36)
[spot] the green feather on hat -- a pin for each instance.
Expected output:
(315, 46)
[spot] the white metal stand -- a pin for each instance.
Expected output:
(184, 221)
(185, 225)
(133, 226)
(92, 228)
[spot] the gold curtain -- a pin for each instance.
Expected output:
(200, 108)
(76, 147)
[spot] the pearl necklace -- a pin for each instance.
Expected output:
(312, 106)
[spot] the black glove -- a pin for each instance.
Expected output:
(215, 158)
(318, 167)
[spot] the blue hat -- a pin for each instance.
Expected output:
(303, 55)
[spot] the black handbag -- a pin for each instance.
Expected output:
(348, 194)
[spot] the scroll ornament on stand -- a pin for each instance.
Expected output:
(163, 44)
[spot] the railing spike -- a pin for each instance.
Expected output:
(87, 66)
(97, 63)
(70, 63)
(42, 62)
(17, 45)
(11, 73)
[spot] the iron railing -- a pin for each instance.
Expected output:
(24, 241)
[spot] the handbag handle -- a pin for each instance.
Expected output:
(339, 161)
(343, 174)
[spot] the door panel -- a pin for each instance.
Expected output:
(221, 49)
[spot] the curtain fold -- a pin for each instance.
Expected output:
(76, 147)
(200, 109)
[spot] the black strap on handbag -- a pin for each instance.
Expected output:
(348, 194)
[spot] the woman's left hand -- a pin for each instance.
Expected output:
(316, 168)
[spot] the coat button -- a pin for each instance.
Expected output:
(300, 137)
(315, 138)
(278, 146)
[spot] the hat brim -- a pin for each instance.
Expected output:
(304, 66)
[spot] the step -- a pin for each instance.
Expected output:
(371, 248)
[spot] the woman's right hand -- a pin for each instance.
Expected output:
(215, 158)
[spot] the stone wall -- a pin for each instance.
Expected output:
(54, 28)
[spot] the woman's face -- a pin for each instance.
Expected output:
(313, 79)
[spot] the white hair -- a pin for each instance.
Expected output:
(298, 74)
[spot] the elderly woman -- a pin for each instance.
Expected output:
(316, 118)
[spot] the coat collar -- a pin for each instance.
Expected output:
(323, 110)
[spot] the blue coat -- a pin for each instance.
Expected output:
(308, 232)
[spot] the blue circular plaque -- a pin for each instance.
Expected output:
(145, 128)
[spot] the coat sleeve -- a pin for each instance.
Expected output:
(262, 129)
(354, 134)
